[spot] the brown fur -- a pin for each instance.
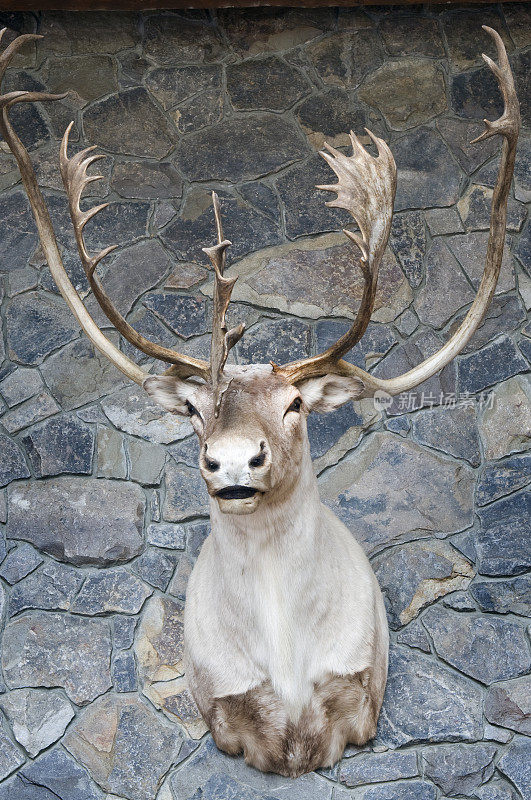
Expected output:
(342, 710)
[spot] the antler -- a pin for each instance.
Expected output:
(508, 126)
(75, 180)
(366, 189)
(222, 340)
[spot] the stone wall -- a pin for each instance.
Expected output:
(103, 510)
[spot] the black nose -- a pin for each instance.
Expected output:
(258, 460)
(211, 464)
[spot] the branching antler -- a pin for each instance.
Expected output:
(222, 340)
(75, 180)
(508, 126)
(366, 189)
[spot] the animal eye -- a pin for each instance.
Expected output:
(296, 405)
(192, 410)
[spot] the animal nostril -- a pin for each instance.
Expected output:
(259, 460)
(211, 465)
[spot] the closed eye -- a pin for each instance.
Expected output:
(295, 406)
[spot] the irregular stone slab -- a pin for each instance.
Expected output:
(18, 236)
(62, 444)
(446, 289)
(470, 249)
(459, 769)
(86, 77)
(259, 145)
(452, 430)
(262, 31)
(12, 463)
(186, 494)
(443, 220)
(172, 85)
(427, 176)
(408, 241)
(28, 413)
(376, 342)
(458, 135)
(79, 520)
(222, 787)
(345, 59)
(280, 341)
(411, 35)
(475, 205)
(124, 745)
(79, 374)
(498, 480)
(146, 461)
(53, 587)
(317, 277)
(414, 575)
(20, 562)
(10, 756)
(144, 130)
(36, 325)
(486, 649)
(509, 705)
(415, 636)
(334, 434)
(407, 93)
(184, 314)
(495, 362)
(367, 488)
(505, 313)
(159, 640)
(163, 534)
(138, 180)
(20, 385)
(377, 767)
(124, 631)
(506, 427)
(38, 717)
(427, 702)
(515, 765)
(156, 567)
(459, 601)
(132, 411)
(175, 700)
(402, 790)
(113, 590)
(265, 83)
(503, 539)
(111, 453)
(124, 672)
(327, 116)
(53, 775)
(181, 40)
(49, 649)
(504, 597)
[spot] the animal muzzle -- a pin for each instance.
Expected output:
(236, 492)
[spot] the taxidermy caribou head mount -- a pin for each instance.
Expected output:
(285, 631)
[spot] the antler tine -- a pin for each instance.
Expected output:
(366, 189)
(75, 179)
(222, 339)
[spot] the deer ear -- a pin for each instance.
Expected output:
(329, 392)
(171, 393)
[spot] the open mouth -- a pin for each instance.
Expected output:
(236, 492)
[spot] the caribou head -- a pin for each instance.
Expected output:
(265, 663)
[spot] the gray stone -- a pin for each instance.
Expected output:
(156, 567)
(475, 95)
(407, 93)
(470, 250)
(38, 717)
(281, 341)
(88, 32)
(452, 430)
(329, 115)
(181, 576)
(111, 453)
(18, 236)
(12, 463)
(466, 39)
(514, 764)
(181, 39)
(132, 411)
(53, 588)
(3, 512)
(495, 362)
(50, 649)
(427, 176)
(164, 534)
(86, 77)
(505, 313)
(62, 444)
(497, 480)
(523, 248)
(10, 756)
(186, 495)
(509, 704)
(36, 325)
(173, 85)
(376, 342)
(28, 413)
(54, 775)
(459, 769)
(186, 315)
(487, 649)
(414, 575)
(410, 35)
(124, 631)
(20, 385)
(265, 84)
(79, 374)
(111, 591)
(144, 130)
(20, 280)
(79, 520)
(146, 461)
(223, 787)
(345, 59)
(427, 702)
(511, 596)
(203, 110)
(124, 672)
(414, 636)
(475, 206)
(505, 521)
(258, 146)
(185, 276)
(138, 180)
(408, 241)
(401, 790)
(124, 745)
(459, 601)
(377, 767)
(505, 426)
(366, 490)
(159, 645)
(443, 220)
(446, 289)
(265, 30)
(20, 562)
